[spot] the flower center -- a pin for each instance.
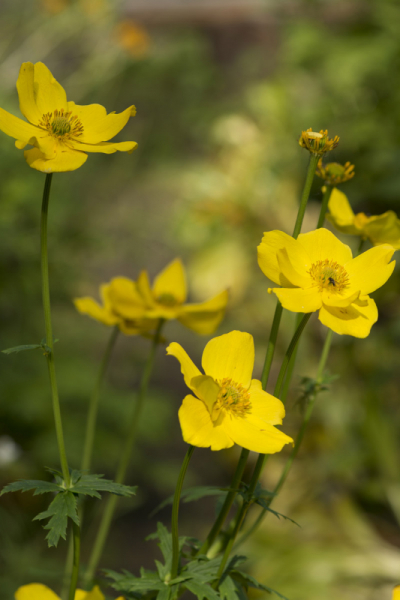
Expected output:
(62, 125)
(167, 299)
(329, 275)
(233, 397)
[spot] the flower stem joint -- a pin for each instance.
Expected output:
(317, 143)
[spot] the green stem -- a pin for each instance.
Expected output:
(360, 246)
(75, 568)
(312, 167)
(324, 205)
(175, 512)
(237, 477)
(49, 331)
(300, 435)
(108, 513)
(271, 345)
(94, 403)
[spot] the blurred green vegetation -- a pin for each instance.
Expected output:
(220, 108)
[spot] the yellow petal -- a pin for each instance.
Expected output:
(35, 591)
(144, 289)
(144, 327)
(294, 267)
(70, 160)
(88, 306)
(299, 300)
(265, 439)
(26, 93)
(339, 299)
(105, 147)
(356, 320)
(230, 356)
(267, 251)
(206, 389)
(97, 125)
(125, 299)
(95, 594)
(321, 244)
(17, 128)
(171, 282)
(197, 427)
(384, 229)
(341, 213)
(204, 318)
(396, 593)
(371, 269)
(264, 406)
(49, 94)
(188, 367)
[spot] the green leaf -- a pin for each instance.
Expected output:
(22, 348)
(63, 506)
(201, 590)
(24, 485)
(279, 515)
(248, 581)
(203, 569)
(228, 589)
(147, 582)
(165, 593)
(91, 485)
(192, 494)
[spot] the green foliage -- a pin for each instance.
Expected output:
(247, 581)
(310, 388)
(42, 346)
(192, 494)
(64, 505)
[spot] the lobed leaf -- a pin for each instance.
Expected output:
(91, 485)
(201, 590)
(63, 506)
(247, 581)
(25, 485)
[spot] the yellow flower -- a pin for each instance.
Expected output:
(120, 292)
(380, 229)
(396, 593)
(37, 591)
(166, 300)
(132, 37)
(60, 131)
(317, 272)
(136, 307)
(317, 143)
(335, 173)
(230, 407)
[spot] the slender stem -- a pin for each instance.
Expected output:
(223, 513)
(289, 352)
(175, 512)
(312, 166)
(300, 435)
(49, 331)
(94, 403)
(123, 464)
(271, 345)
(75, 568)
(324, 205)
(360, 246)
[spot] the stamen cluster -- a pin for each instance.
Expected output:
(335, 173)
(317, 143)
(62, 124)
(233, 397)
(328, 274)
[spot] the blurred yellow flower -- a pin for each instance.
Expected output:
(380, 229)
(37, 591)
(120, 292)
(54, 6)
(60, 131)
(136, 307)
(230, 407)
(396, 593)
(317, 272)
(132, 37)
(317, 143)
(335, 173)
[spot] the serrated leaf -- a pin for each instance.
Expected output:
(280, 515)
(22, 348)
(63, 506)
(192, 494)
(201, 590)
(25, 485)
(228, 589)
(91, 485)
(203, 569)
(248, 581)
(148, 581)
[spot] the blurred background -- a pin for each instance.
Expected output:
(223, 89)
